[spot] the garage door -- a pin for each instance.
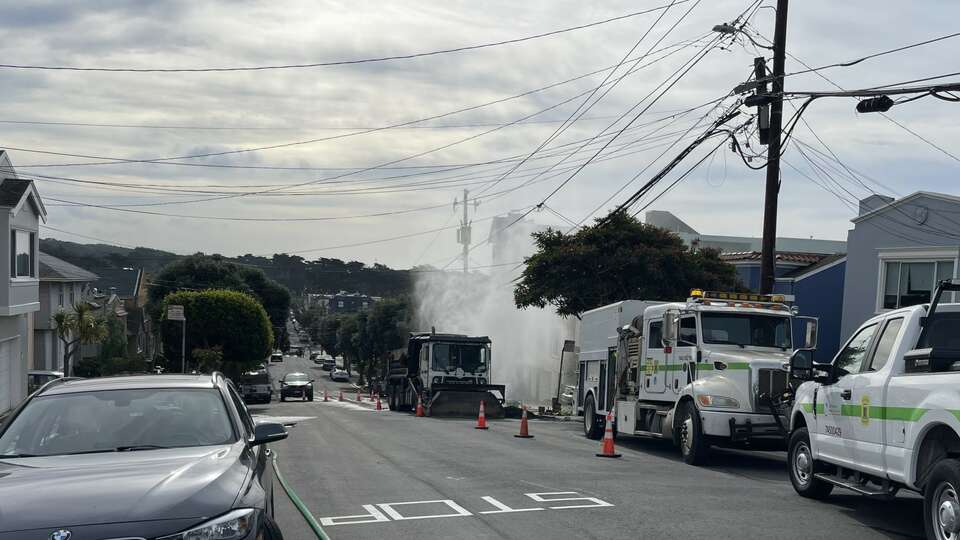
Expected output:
(5, 371)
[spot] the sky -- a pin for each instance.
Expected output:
(387, 196)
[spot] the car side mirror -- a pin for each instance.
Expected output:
(669, 328)
(801, 364)
(268, 432)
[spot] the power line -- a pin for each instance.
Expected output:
(337, 62)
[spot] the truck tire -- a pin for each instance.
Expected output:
(941, 500)
(693, 443)
(802, 467)
(592, 422)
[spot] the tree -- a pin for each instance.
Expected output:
(215, 272)
(346, 344)
(208, 360)
(75, 328)
(327, 335)
(387, 328)
(615, 260)
(114, 343)
(233, 321)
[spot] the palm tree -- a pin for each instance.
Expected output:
(75, 328)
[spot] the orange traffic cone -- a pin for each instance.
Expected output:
(326, 398)
(341, 395)
(420, 406)
(379, 406)
(606, 450)
(359, 397)
(524, 433)
(482, 418)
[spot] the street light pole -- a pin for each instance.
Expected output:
(183, 347)
(772, 191)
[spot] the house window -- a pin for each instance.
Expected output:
(340, 304)
(73, 298)
(60, 300)
(22, 253)
(912, 283)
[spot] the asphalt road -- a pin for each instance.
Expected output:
(405, 477)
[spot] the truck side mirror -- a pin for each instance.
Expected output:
(801, 364)
(669, 328)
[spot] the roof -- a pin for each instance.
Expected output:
(823, 263)
(12, 190)
(460, 338)
(132, 382)
(54, 269)
(781, 256)
(915, 195)
(124, 280)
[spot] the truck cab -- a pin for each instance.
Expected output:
(884, 414)
(707, 371)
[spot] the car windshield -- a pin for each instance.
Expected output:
(469, 358)
(746, 330)
(256, 377)
(118, 420)
(296, 377)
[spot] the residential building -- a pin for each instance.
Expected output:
(898, 250)
(122, 293)
(62, 286)
(690, 237)
(344, 302)
(20, 298)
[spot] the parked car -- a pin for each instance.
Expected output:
(36, 379)
(138, 434)
(339, 375)
(276, 357)
(329, 364)
(296, 385)
(255, 386)
(315, 357)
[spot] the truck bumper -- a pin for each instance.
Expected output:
(739, 426)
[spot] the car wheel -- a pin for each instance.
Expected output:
(802, 467)
(592, 422)
(941, 501)
(272, 530)
(693, 443)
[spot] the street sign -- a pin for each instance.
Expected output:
(175, 313)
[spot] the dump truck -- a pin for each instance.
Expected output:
(450, 373)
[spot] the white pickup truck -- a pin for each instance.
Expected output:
(885, 413)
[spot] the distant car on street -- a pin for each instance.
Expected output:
(276, 357)
(339, 375)
(296, 385)
(36, 379)
(255, 386)
(328, 364)
(315, 357)
(120, 444)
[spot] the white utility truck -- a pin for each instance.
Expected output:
(707, 371)
(885, 413)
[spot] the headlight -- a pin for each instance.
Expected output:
(483, 381)
(718, 401)
(230, 526)
(436, 380)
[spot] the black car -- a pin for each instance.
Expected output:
(296, 385)
(162, 457)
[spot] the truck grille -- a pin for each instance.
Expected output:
(770, 383)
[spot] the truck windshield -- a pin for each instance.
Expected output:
(255, 377)
(450, 356)
(746, 330)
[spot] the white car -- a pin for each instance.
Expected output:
(339, 375)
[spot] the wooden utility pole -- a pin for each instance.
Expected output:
(769, 245)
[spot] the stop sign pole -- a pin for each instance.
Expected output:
(175, 313)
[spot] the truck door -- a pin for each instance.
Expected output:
(655, 359)
(869, 399)
(683, 354)
(836, 437)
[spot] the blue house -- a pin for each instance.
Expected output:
(815, 281)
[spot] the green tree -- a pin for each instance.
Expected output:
(208, 360)
(327, 335)
(347, 345)
(233, 321)
(114, 344)
(75, 328)
(388, 328)
(615, 260)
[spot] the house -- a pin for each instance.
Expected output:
(20, 298)
(122, 293)
(344, 302)
(898, 250)
(814, 280)
(62, 286)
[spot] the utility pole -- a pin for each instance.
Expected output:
(463, 233)
(772, 192)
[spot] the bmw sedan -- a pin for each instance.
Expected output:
(160, 457)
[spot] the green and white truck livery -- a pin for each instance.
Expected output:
(885, 413)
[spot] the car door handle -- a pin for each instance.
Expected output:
(846, 394)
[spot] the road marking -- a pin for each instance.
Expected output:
(504, 509)
(389, 511)
(397, 516)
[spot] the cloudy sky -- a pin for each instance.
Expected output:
(402, 181)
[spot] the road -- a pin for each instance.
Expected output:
(404, 477)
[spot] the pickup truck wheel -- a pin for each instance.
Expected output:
(941, 501)
(693, 444)
(592, 422)
(802, 467)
